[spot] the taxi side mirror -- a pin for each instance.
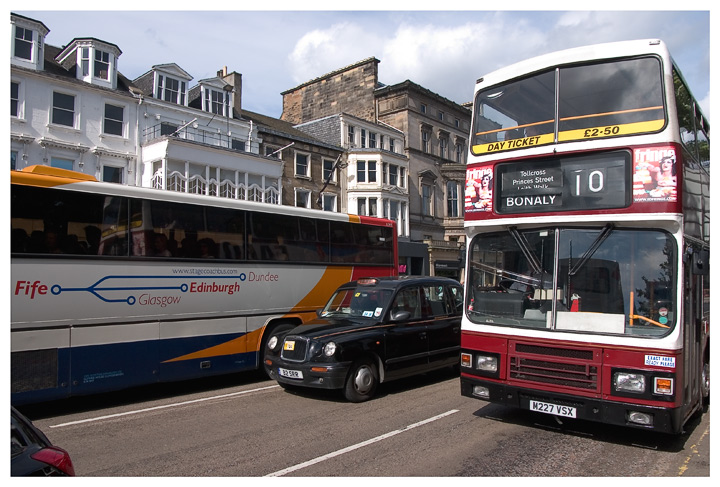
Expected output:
(399, 315)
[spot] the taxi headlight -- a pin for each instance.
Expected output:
(272, 343)
(629, 382)
(329, 349)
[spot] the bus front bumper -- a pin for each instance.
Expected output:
(663, 420)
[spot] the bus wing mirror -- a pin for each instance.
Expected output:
(701, 262)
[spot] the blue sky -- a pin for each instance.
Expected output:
(444, 51)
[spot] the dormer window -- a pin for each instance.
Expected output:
(101, 64)
(95, 64)
(171, 89)
(215, 101)
(95, 61)
(28, 36)
(23, 43)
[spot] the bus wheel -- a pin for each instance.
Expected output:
(705, 381)
(362, 381)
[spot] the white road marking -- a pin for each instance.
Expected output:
(166, 406)
(358, 445)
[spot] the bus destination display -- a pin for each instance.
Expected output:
(577, 183)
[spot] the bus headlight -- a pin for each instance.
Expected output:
(329, 349)
(629, 382)
(486, 363)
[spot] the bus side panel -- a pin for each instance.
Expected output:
(40, 375)
(103, 368)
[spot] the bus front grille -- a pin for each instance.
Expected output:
(557, 366)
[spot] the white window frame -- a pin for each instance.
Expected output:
(333, 172)
(303, 191)
(75, 114)
(215, 101)
(120, 168)
(122, 120)
(31, 42)
(329, 202)
(367, 206)
(366, 171)
(308, 175)
(84, 54)
(162, 89)
(238, 144)
(99, 63)
(20, 101)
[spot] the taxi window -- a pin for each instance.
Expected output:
(456, 298)
(408, 300)
(437, 300)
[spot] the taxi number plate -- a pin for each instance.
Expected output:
(291, 374)
(555, 409)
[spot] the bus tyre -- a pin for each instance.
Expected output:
(705, 381)
(362, 381)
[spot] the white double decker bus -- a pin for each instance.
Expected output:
(587, 212)
(115, 286)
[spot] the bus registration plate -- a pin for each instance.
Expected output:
(290, 374)
(555, 409)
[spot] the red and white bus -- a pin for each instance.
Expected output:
(587, 212)
(115, 286)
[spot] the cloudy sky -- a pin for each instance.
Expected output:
(444, 51)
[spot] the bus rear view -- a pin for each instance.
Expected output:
(587, 217)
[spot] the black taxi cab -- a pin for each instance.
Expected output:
(371, 331)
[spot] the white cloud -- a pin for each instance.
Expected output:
(321, 51)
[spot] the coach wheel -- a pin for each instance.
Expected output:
(362, 381)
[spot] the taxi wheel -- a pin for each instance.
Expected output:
(362, 381)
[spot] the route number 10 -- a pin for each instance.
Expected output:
(593, 181)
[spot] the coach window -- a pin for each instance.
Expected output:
(46, 221)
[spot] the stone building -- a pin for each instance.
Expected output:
(435, 133)
(312, 175)
(374, 164)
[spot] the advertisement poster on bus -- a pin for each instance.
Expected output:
(655, 174)
(478, 189)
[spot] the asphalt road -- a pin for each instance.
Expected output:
(246, 426)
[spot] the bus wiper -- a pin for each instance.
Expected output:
(525, 248)
(592, 249)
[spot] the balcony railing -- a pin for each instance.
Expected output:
(213, 137)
